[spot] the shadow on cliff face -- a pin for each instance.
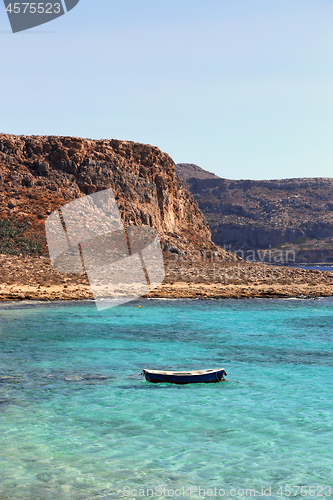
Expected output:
(39, 174)
(254, 215)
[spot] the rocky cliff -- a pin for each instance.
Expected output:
(39, 174)
(248, 214)
(188, 170)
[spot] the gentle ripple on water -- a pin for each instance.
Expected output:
(77, 422)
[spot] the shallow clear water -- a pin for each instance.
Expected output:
(77, 422)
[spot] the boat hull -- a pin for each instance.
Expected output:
(194, 377)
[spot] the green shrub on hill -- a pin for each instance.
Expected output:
(13, 241)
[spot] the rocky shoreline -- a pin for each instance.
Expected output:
(39, 174)
(31, 278)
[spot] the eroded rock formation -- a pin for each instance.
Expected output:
(40, 173)
(252, 214)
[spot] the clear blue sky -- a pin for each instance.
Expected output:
(243, 88)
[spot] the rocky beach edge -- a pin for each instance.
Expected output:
(33, 278)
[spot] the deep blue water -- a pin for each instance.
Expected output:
(328, 267)
(308, 267)
(78, 422)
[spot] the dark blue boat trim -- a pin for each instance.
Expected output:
(206, 378)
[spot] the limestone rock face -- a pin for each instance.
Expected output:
(40, 173)
(254, 214)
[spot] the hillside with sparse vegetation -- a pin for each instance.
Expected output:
(294, 214)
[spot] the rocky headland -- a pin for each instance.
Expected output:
(39, 174)
(292, 216)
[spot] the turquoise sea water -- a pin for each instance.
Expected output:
(78, 422)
